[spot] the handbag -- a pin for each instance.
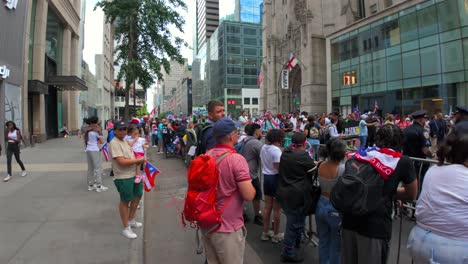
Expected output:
(312, 191)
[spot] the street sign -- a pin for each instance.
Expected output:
(285, 79)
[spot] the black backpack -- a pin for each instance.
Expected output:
(360, 190)
(201, 146)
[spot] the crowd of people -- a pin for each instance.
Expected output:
(272, 159)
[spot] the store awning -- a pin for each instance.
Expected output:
(37, 87)
(67, 83)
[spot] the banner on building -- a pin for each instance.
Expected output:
(284, 79)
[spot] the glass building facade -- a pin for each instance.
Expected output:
(229, 63)
(241, 11)
(411, 60)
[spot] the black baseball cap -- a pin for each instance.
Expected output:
(120, 124)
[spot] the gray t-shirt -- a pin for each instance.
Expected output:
(252, 154)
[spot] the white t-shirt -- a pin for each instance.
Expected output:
(243, 120)
(93, 138)
(270, 154)
(294, 122)
(443, 204)
(138, 145)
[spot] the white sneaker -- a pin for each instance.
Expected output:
(101, 188)
(277, 238)
(266, 236)
(134, 223)
(128, 233)
(7, 178)
(24, 173)
(91, 187)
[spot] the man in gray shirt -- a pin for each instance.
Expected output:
(251, 152)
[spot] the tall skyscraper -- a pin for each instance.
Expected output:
(207, 20)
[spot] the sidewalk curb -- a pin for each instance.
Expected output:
(136, 245)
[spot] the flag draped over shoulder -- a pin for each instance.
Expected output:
(383, 160)
(150, 176)
(105, 151)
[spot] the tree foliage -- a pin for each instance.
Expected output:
(144, 43)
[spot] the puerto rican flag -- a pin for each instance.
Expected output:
(150, 176)
(383, 160)
(105, 151)
(292, 61)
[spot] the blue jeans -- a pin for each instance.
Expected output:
(428, 247)
(295, 222)
(154, 140)
(315, 147)
(328, 229)
(363, 141)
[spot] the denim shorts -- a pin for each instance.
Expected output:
(270, 184)
(428, 247)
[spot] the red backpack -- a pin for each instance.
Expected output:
(200, 202)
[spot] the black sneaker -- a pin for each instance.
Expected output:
(292, 259)
(258, 220)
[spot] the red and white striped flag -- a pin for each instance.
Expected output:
(376, 106)
(105, 151)
(150, 176)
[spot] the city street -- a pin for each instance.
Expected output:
(49, 217)
(167, 241)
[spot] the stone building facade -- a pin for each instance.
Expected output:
(298, 28)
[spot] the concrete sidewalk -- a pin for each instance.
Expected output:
(50, 217)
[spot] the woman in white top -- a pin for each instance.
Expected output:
(441, 232)
(270, 156)
(93, 140)
(14, 138)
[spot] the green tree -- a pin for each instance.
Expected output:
(144, 41)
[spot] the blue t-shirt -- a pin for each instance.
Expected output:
(362, 128)
(159, 130)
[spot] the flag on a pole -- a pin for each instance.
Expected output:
(376, 106)
(153, 112)
(292, 61)
(105, 151)
(150, 176)
(259, 78)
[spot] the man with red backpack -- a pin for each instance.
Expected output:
(223, 228)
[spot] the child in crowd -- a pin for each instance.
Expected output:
(138, 144)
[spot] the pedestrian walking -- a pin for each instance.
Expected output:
(125, 168)
(94, 140)
(441, 231)
(270, 156)
(227, 244)
(328, 219)
(291, 194)
(14, 138)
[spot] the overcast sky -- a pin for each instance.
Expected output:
(94, 30)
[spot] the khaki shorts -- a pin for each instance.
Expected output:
(225, 248)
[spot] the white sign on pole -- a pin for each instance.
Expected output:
(285, 79)
(4, 72)
(11, 4)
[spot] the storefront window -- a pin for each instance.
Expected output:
(54, 35)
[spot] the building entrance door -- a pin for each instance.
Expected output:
(51, 106)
